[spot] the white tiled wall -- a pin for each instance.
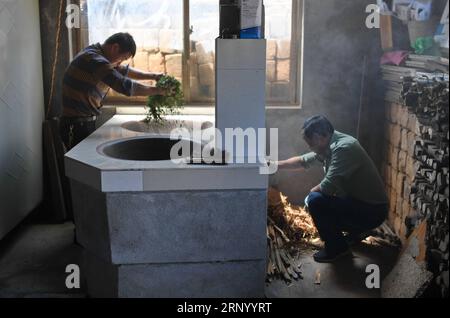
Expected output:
(21, 111)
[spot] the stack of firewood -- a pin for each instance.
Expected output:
(288, 226)
(428, 100)
(384, 235)
(281, 262)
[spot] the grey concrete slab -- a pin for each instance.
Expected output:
(92, 229)
(168, 227)
(187, 226)
(100, 277)
(188, 280)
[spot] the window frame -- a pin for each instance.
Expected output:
(296, 69)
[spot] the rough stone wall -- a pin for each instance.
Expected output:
(165, 59)
(416, 172)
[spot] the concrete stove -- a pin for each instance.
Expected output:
(153, 228)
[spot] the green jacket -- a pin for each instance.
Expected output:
(350, 172)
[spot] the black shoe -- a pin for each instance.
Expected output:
(327, 256)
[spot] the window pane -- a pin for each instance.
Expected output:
(278, 35)
(204, 15)
(157, 27)
(204, 18)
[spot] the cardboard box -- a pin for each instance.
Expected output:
(251, 19)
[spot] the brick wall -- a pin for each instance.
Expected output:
(400, 167)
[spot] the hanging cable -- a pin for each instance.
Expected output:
(55, 61)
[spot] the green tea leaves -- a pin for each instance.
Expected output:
(159, 106)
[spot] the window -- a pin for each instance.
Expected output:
(178, 37)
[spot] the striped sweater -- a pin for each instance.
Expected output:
(87, 81)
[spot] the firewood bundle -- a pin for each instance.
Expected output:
(430, 191)
(287, 226)
(281, 261)
(296, 223)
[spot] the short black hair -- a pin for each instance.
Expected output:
(317, 125)
(125, 41)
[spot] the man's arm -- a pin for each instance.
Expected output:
(299, 163)
(117, 79)
(141, 75)
(146, 90)
(295, 163)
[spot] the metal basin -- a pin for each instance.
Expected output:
(143, 148)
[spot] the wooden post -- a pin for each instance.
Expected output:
(387, 42)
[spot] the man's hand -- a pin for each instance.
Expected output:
(156, 76)
(167, 91)
(316, 189)
(145, 90)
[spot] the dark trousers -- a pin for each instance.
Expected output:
(72, 133)
(333, 215)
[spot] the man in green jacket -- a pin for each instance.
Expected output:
(351, 198)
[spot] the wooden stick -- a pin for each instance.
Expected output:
(280, 230)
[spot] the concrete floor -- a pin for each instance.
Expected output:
(346, 278)
(33, 260)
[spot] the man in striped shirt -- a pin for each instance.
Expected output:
(91, 75)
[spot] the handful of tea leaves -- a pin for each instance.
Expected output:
(159, 106)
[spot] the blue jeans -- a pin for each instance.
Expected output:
(333, 215)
